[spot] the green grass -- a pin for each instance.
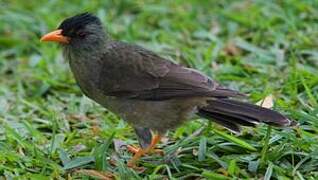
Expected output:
(49, 129)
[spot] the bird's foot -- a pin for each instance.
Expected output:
(134, 150)
(139, 152)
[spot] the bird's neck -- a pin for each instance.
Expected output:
(83, 53)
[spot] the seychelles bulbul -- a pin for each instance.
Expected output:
(151, 93)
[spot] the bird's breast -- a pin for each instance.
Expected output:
(85, 74)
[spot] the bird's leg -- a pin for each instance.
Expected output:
(155, 140)
(140, 152)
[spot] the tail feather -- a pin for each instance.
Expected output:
(225, 121)
(242, 120)
(232, 113)
(223, 92)
(227, 124)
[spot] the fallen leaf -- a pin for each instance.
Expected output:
(96, 174)
(195, 152)
(223, 171)
(231, 49)
(267, 102)
(96, 130)
(164, 140)
(215, 66)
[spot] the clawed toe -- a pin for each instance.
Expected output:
(132, 149)
(139, 152)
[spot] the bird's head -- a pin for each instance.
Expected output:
(80, 31)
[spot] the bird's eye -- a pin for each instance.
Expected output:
(81, 34)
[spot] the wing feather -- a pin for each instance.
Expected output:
(131, 71)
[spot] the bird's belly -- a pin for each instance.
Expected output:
(157, 115)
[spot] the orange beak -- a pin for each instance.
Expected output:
(55, 36)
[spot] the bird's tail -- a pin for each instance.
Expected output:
(231, 114)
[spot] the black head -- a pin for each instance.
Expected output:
(74, 27)
(80, 35)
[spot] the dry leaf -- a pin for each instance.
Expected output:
(195, 152)
(231, 49)
(215, 66)
(267, 102)
(223, 171)
(164, 140)
(96, 174)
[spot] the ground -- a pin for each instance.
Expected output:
(48, 129)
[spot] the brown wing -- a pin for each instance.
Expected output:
(133, 72)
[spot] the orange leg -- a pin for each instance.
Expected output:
(140, 152)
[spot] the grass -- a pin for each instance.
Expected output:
(49, 130)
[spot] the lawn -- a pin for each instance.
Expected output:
(50, 130)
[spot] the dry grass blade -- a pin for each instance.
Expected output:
(96, 174)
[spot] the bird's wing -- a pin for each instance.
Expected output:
(130, 71)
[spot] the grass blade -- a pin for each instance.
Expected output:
(235, 140)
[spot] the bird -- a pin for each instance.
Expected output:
(151, 93)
